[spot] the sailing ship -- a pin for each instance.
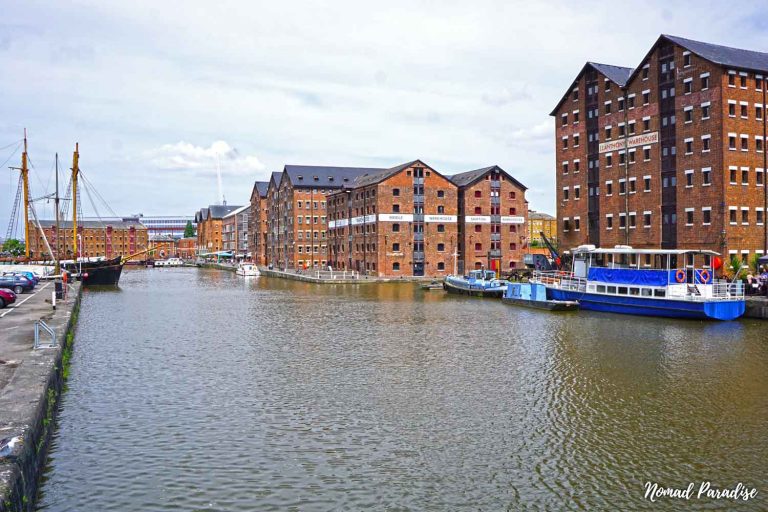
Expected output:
(91, 271)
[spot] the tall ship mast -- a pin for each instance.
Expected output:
(91, 272)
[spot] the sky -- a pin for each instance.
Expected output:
(160, 93)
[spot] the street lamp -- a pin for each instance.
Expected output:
(80, 259)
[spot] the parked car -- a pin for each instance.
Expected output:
(26, 273)
(6, 297)
(19, 284)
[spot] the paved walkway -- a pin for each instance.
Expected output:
(17, 327)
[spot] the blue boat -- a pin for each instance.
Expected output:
(478, 283)
(534, 295)
(668, 283)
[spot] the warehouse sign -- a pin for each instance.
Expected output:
(396, 217)
(440, 218)
(478, 219)
(512, 219)
(631, 142)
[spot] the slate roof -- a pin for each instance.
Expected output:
(262, 187)
(380, 175)
(98, 224)
(617, 74)
(237, 210)
(467, 178)
(539, 215)
(724, 55)
(214, 211)
(324, 177)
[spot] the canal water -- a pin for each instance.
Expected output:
(198, 390)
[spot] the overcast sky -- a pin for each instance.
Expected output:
(155, 90)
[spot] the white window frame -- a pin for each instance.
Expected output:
(706, 209)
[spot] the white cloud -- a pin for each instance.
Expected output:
(183, 156)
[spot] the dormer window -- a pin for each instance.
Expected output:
(330, 178)
(300, 177)
(315, 178)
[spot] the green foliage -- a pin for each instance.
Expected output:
(189, 230)
(13, 246)
(734, 265)
(753, 263)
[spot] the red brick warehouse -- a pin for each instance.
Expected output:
(668, 154)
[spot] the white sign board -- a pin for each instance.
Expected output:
(477, 219)
(396, 217)
(631, 142)
(511, 219)
(440, 218)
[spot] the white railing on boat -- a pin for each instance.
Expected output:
(717, 290)
(723, 289)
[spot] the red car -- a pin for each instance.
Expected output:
(6, 297)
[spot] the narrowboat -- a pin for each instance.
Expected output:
(534, 295)
(478, 283)
(667, 283)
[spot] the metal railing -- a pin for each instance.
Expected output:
(40, 325)
(560, 279)
(330, 275)
(722, 289)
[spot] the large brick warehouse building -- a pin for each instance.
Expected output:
(403, 221)
(668, 154)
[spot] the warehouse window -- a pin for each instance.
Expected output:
(396, 266)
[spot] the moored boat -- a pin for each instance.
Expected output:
(170, 262)
(534, 295)
(247, 270)
(97, 271)
(667, 283)
(478, 283)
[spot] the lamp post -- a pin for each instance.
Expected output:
(80, 260)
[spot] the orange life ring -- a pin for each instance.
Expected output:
(680, 276)
(704, 276)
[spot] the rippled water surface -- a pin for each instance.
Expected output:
(196, 390)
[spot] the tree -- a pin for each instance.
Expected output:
(13, 246)
(189, 230)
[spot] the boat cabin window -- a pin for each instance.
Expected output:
(707, 260)
(601, 288)
(659, 293)
(634, 291)
(672, 261)
(689, 259)
(611, 289)
(622, 290)
(646, 292)
(490, 274)
(647, 260)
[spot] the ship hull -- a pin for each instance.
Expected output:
(715, 310)
(99, 273)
